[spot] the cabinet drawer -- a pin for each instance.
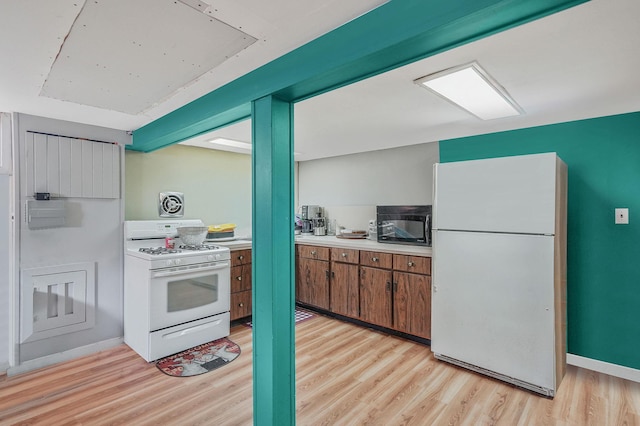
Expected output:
(240, 257)
(240, 304)
(345, 255)
(240, 278)
(415, 264)
(376, 259)
(313, 252)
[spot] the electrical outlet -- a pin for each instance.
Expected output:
(622, 216)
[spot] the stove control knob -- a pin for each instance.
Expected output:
(169, 262)
(210, 257)
(178, 261)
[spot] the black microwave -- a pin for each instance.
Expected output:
(404, 224)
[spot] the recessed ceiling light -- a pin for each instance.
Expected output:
(472, 88)
(244, 146)
(232, 143)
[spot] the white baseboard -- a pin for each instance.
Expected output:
(4, 367)
(604, 367)
(48, 360)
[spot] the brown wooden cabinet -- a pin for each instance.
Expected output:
(412, 295)
(375, 296)
(240, 284)
(344, 285)
(312, 276)
(412, 304)
(385, 289)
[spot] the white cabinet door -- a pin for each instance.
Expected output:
(493, 303)
(71, 167)
(508, 194)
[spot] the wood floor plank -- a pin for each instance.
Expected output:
(346, 375)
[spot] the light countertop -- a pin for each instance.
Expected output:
(363, 244)
(332, 241)
(239, 243)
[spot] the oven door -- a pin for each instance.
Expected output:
(183, 294)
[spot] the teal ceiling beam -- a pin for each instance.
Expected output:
(394, 34)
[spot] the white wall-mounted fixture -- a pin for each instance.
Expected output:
(171, 204)
(622, 216)
(56, 300)
(471, 88)
(45, 214)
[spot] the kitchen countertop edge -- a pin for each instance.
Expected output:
(332, 241)
(364, 244)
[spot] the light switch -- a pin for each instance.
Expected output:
(622, 216)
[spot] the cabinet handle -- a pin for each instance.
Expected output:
(313, 253)
(241, 304)
(327, 273)
(388, 286)
(344, 254)
(239, 278)
(333, 274)
(395, 287)
(374, 259)
(410, 264)
(240, 257)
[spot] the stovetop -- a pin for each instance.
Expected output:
(146, 240)
(159, 251)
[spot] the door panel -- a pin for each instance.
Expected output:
(375, 296)
(493, 302)
(345, 296)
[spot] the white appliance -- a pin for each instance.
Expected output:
(499, 268)
(174, 299)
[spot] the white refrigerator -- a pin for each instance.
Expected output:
(499, 268)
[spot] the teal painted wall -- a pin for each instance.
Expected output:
(603, 275)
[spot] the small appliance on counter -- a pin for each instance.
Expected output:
(404, 224)
(313, 220)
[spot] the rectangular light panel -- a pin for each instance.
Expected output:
(472, 89)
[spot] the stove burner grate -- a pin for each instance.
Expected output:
(198, 247)
(158, 250)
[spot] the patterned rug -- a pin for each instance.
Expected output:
(299, 317)
(200, 359)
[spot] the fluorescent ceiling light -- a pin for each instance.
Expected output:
(471, 88)
(244, 146)
(232, 143)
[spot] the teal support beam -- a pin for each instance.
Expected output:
(273, 263)
(395, 34)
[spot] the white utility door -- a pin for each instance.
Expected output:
(507, 194)
(493, 303)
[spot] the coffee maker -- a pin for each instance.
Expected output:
(313, 221)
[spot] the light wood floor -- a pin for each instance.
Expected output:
(346, 375)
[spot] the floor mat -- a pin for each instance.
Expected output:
(200, 359)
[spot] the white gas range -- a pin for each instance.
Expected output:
(174, 298)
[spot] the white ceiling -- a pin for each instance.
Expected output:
(580, 63)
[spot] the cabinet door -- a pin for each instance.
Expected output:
(312, 282)
(345, 295)
(240, 304)
(375, 296)
(412, 304)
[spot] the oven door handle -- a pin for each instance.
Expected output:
(190, 330)
(189, 270)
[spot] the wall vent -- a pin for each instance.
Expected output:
(171, 204)
(57, 300)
